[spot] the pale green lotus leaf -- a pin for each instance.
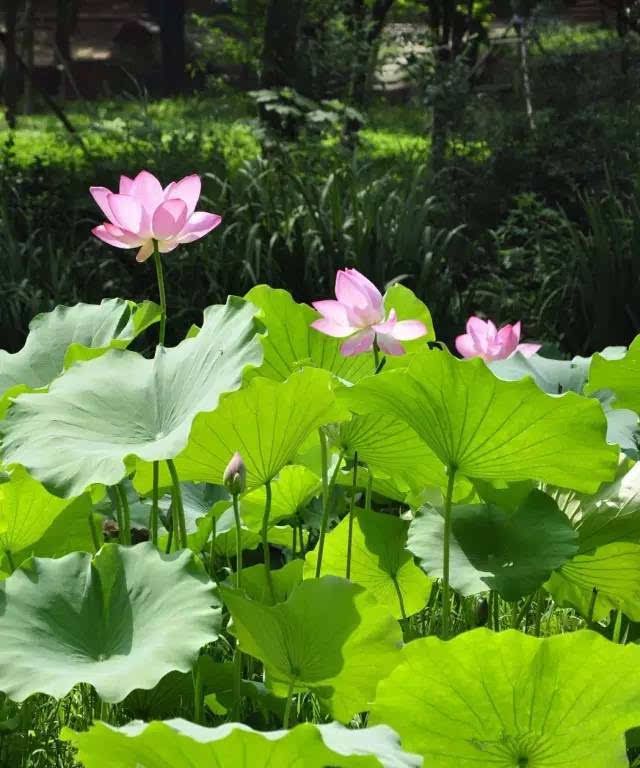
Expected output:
(119, 621)
(508, 700)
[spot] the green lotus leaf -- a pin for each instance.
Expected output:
(380, 561)
(613, 571)
(180, 744)
(225, 543)
(291, 342)
(101, 415)
(102, 621)
(255, 585)
(292, 490)
(408, 307)
(389, 447)
(33, 522)
(619, 376)
(266, 421)
(58, 338)
(330, 637)
(509, 700)
(492, 429)
(513, 553)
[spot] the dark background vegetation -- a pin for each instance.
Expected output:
(490, 166)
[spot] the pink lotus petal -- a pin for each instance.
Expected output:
(169, 219)
(148, 190)
(166, 246)
(505, 342)
(198, 225)
(386, 326)
(528, 349)
(479, 332)
(145, 252)
(332, 310)
(100, 195)
(356, 291)
(466, 346)
(123, 235)
(187, 189)
(102, 234)
(357, 344)
(127, 212)
(408, 330)
(389, 345)
(332, 328)
(125, 185)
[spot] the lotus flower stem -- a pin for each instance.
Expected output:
(352, 507)
(236, 515)
(197, 694)
(367, 497)
(181, 533)
(265, 538)
(125, 536)
(592, 606)
(157, 258)
(446, 597)
(287, 707)
(153, 523)
(617, 629)
(94, 533)
(376, 355)
(326, 508)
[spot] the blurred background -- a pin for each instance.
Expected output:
(484, 153)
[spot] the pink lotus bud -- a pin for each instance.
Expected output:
(235, 475)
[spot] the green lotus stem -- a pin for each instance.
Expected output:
(352, 507)
(495, 610)
(114, 496)
(153, 522)
(592, 606)
(367, 498)
(237, 684)
(538, 615)
(212, 546)
(376, 355)
(617, 629)
(446, 597)
(126, 514)
(94, 532)
(287, 707)
(519, 615)
(10, 561)
(326, 508)
(403, 611)
(236, 515)
(197, 695)
(303, 549)
(181, 532)
(157, 258)
(294, 540)
(265, 538)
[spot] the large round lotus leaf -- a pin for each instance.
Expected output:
(509, 700)
(380, 561)
(33, 522)
(513, 553)
(180, 744)
(255, 585)
(389, 447)
(97, 418)
(291, 343)
(330, 637)
(613, 571)
(493, 429)
(267, 422)
(119, 621)
(291, 491)
(618, 375)
(67, 334)
(611, 515)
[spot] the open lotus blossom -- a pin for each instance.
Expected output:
(142, 211)
(484, 340)
(358, 315)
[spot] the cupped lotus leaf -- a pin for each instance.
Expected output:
(60, 337)
(291, 343)
(330, 637)
(291, 491)
(33, 522)
(612, 572)
(509, 700)
(380, 561)
(101, 415)
(408, 307)
(118, 621)
(181, 744)
(511, 552)
(611, 515)
(618, 375)
(389, 447)
(266, 421)
(492, 429)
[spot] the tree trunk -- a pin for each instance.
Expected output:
(279, 60)
(173, 46)
(11, 64)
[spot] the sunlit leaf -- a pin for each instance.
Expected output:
(102, 621)
(509, 700)
(619, 375)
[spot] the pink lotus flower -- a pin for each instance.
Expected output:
(484, 340)
(358, 315)
(142, 211)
